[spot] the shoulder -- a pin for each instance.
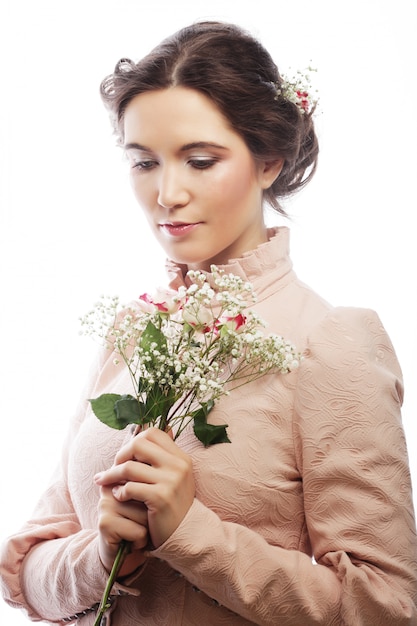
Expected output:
(348, 362)
(345, 333)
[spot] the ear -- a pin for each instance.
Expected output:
(269, 171)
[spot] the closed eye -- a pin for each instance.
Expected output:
(202, 163)
(145, 164)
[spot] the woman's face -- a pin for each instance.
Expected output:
(194, 177)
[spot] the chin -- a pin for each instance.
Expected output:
(191, 260)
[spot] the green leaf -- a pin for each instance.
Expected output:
(151, 335)
(208, 434)
(129, 410)
(159, 401)
(115, 410)
(103, 407)
(142, 385)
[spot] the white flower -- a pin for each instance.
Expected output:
(193, 345)
(199, 317)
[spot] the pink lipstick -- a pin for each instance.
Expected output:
(178, 229)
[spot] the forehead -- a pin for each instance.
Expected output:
(175, 114)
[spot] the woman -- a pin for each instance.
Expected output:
(317, 464)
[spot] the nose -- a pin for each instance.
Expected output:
(172, 191)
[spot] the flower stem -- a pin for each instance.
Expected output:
(124, 549)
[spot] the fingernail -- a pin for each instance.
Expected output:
(98, 477)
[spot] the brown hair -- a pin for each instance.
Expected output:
(235, 71)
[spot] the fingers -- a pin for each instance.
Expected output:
(121, 474)
(152, 469)
(148, 447)
(122, 520)
(114, 530)
(117, 521)
(139, 482)
(149, 458)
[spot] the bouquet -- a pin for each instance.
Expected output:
(183, 350)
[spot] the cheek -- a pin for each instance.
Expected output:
(136, 188)
(142, 192)
(239, 183)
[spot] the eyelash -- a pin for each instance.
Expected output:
(143, 165)
(198, 164)
(202, 164)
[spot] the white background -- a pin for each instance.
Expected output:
(70, 229)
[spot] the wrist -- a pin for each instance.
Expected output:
(122, 579)
(131, 566)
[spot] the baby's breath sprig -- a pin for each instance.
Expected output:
(298, 90)
(183, 350)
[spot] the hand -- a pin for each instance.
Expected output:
(153, 470)
(117, 521)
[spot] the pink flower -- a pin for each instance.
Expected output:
(164, 301)
(233, 323)
(201, 320)
(304, 101)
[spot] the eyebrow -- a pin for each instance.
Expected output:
(188, 146)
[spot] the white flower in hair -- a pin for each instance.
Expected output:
(298, 90)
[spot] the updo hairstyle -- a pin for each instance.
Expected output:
(235, 71)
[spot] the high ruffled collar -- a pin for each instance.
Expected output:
(267, 263)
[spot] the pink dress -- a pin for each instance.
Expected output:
(317, 467)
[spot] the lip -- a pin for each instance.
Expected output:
(178, 229)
